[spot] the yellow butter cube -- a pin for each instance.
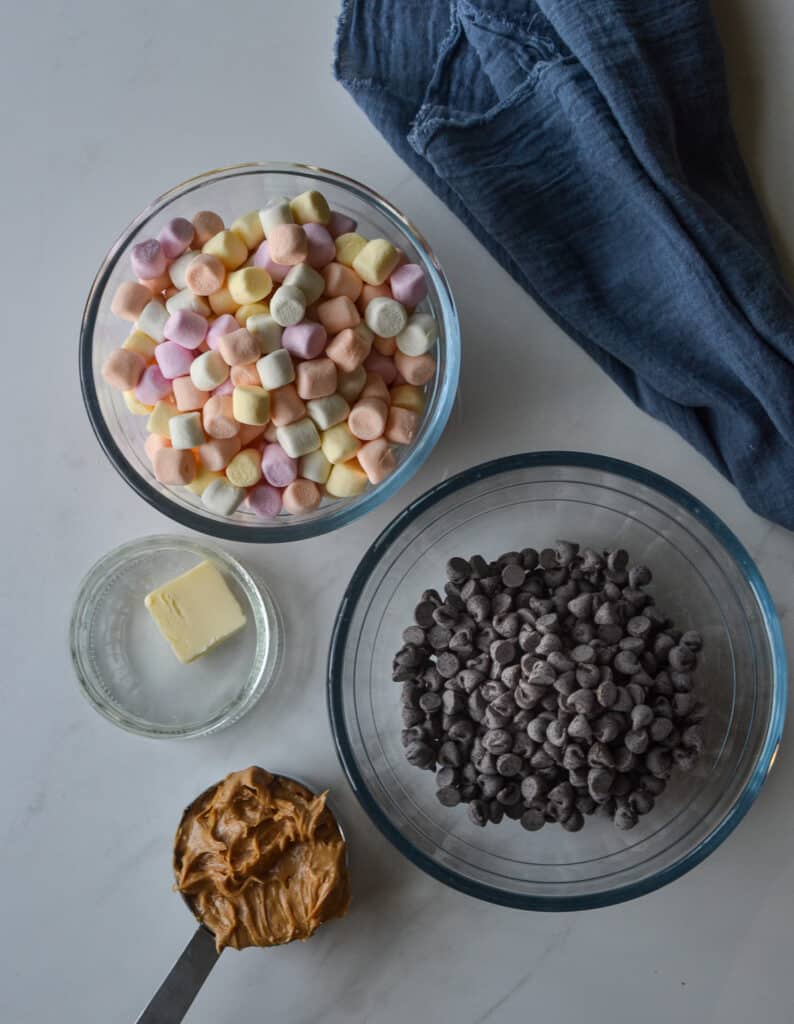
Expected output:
(338, 444)
(375, 261)
(203, 479)
(160, 417)
(348, 246)
(142, 344)
(222, 302)
(347, 479)
(136, 407)
(249, 284)
(310, 207)
(230, 249)
(245, 469)
(250, 309)
(250, 405)
(249, 228)
(408, 396)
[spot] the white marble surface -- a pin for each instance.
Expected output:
(105, 104)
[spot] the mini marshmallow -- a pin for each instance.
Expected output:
(350, 385)
(385, 317)
(310, 206)
(315, 378)
(227, 388)
(186, 328)
(265, 501)
(218, 416)
(187, 300)
(286, 406)
(222, 497)
(287, 305)
(377, 460)
(153, 444)
(327, 412)
(177, 270)
(415, 369)
(242, 314)
(239, 347)
(225, 324)
(376, 261)
(249, 228)
(152, 386)
(314, 466)
(278, 468)
(206, 225)
(276, 212)
(350, 348)
(123, 369)
(135, 407)
(175, 237)
(267, 332)
(305, 340)
(275, 369)
(203, 274)
(244, 469)
(339, 444)
(338, 314)
(230, 249)
(287, 244)
(249, 284)
(159, 419)
(129, 300)
(250, 432)
(346, 480)
(217, 453)
(147, 259)
(408, 284)
(386, 346)
(262, 258)
(308, 280)
(401, 425)
(156, 285)
(367, 419)
(186, 431)
(298, 438)
(208, 370)
(202, 480)
(341, 280)
(251, 405)
(370, 292)
(244, 375)
(177, 468)
(418, 336)
(406, 396)
(321, 246)
(221, 302)
(173, 360)
(153, 319)
(340, 224)
(375, 387)
(376, 363)
(187, 396)
(348, 246)
(301, 496)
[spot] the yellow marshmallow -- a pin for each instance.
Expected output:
(250, 405)
(204, 478)
(347, 479)
(310, 207)
(408, 396)
(249, 228)
(221, 302)
(142, 344)
(375, 261)
(160, 417)
(230, 249)
(338, 444)
(250, 284)
(250, 309)
(348, 246)
(136, 407)
(245, 469)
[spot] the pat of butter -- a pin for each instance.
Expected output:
(195, 612)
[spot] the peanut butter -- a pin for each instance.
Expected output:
(261, 860)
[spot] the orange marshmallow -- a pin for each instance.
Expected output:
(188, 397)
(367, 419)
(415, 369)
(218, 417)
(300, 496)
(175, 467)
(153, 444)
(245, 375)
(205, 274)
(129, 300)
(216, 455)
(157, 285)
(239, 348)
(375, 388)
(206, 225)
(377, 460)
(251, 431)
(341, 280)
(401, 425)
(337, 314)
(370, 292)
(123, 369)
(286, 406)
(350, 347)
(288, 244)
(315, 378)
(386, 346)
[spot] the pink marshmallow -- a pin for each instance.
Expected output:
(305, 340)
(153, 386)
(262, 258)
(173, 360)
(340, 224)
(376, 363)
(265, 501)
(226, 388)
(176, 236)
(321, 246)
(408, 284)
(277, 467)
(148, 259)
(185, 327)
(225, 324)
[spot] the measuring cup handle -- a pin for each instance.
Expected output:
(172, 1000)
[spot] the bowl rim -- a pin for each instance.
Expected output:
(345, 513)
(699, 511)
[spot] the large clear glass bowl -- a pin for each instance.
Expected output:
(231, 192)
(703, 578)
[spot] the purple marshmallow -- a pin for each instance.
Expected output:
(187, 328)
(147, 259)
(340, 224)
(321, 246)
(278, 468)
(408, 284)
(225, 324)
(265, 500)
(173, 360)
(152, 386)
(175, 237)
(306, 340)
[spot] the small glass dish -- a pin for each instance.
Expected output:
(127, 670)
(703, 579)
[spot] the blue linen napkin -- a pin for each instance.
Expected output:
(588, 145)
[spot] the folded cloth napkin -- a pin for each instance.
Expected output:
(588, 145)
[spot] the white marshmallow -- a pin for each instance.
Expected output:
(298, 438)
(314, 466)
(350, 385)
(276, 212)
(306, 278)
(385, 316)
(326, 412)
(275, 369)
(287, 305)
(177, 269)
(186, 430)
(221, 497)
(187, 300)
(418, 336)
(266, 331)
(152, 320)
(208, 371)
